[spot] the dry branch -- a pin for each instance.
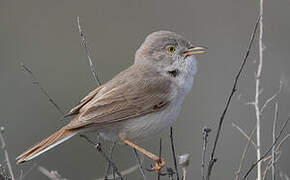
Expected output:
(234, 89)
(87, 52)
(100, 150)
(173, 152)
(205, 133)
(39, 85)
(268, 151)
(139, 161)
(244, 153)
(257, 93)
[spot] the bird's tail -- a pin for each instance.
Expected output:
(46, 144)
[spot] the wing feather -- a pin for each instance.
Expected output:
(127, 100)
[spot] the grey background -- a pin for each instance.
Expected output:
(44, 35)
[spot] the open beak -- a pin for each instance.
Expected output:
(195, 50)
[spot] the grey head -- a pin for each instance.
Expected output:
(166, 50)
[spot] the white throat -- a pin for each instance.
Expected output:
(187, 71)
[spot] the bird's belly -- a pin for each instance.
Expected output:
(145, 126)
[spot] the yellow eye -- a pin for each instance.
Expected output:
(171, 49)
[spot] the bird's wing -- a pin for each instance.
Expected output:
(85, 100)
(127, 100)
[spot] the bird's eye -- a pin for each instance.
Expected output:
(171, 49)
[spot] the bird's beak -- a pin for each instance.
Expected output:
(195, 50)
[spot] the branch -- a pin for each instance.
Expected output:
(109, 164)
(173, 152)
(99, 149)
(4, 147)
(205, 133)
(257, 94)
(273, 139)
(244, 154)
(38, 84)
(245, 134)
(87, 52)
(272, 98)
(139, 163)
(268, 151)
(234, 89)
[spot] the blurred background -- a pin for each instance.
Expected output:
(44, 35)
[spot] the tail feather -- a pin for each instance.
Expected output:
(46, 144)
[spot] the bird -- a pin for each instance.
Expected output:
(137, 103)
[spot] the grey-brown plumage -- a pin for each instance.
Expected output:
(138, 102)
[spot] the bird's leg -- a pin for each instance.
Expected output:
(159, 163)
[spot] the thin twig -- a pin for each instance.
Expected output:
(99, 149)
(139, 164)
(268, 151)
(244, 154)
(273, 140)
(244, 133)
(275, 95)
(111, 155)
(4, 147)
(87, 52)
(205, 133)
(282, 141)
(234, 89)
(277, 155)
(173, 152)
(39, 85)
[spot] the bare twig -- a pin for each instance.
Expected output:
(111, 155)
(53, 175)
(277, 155)
(173, 152)
(244, 154)
(244, 133)
(86, 49)
(205, 133)
(39, 85)
(268, 151)
(275, 95)
(139, 164)
(257, 94)
(99, 149)
(282, 141)
(4, 147)
(234, 89)
(273, 139)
